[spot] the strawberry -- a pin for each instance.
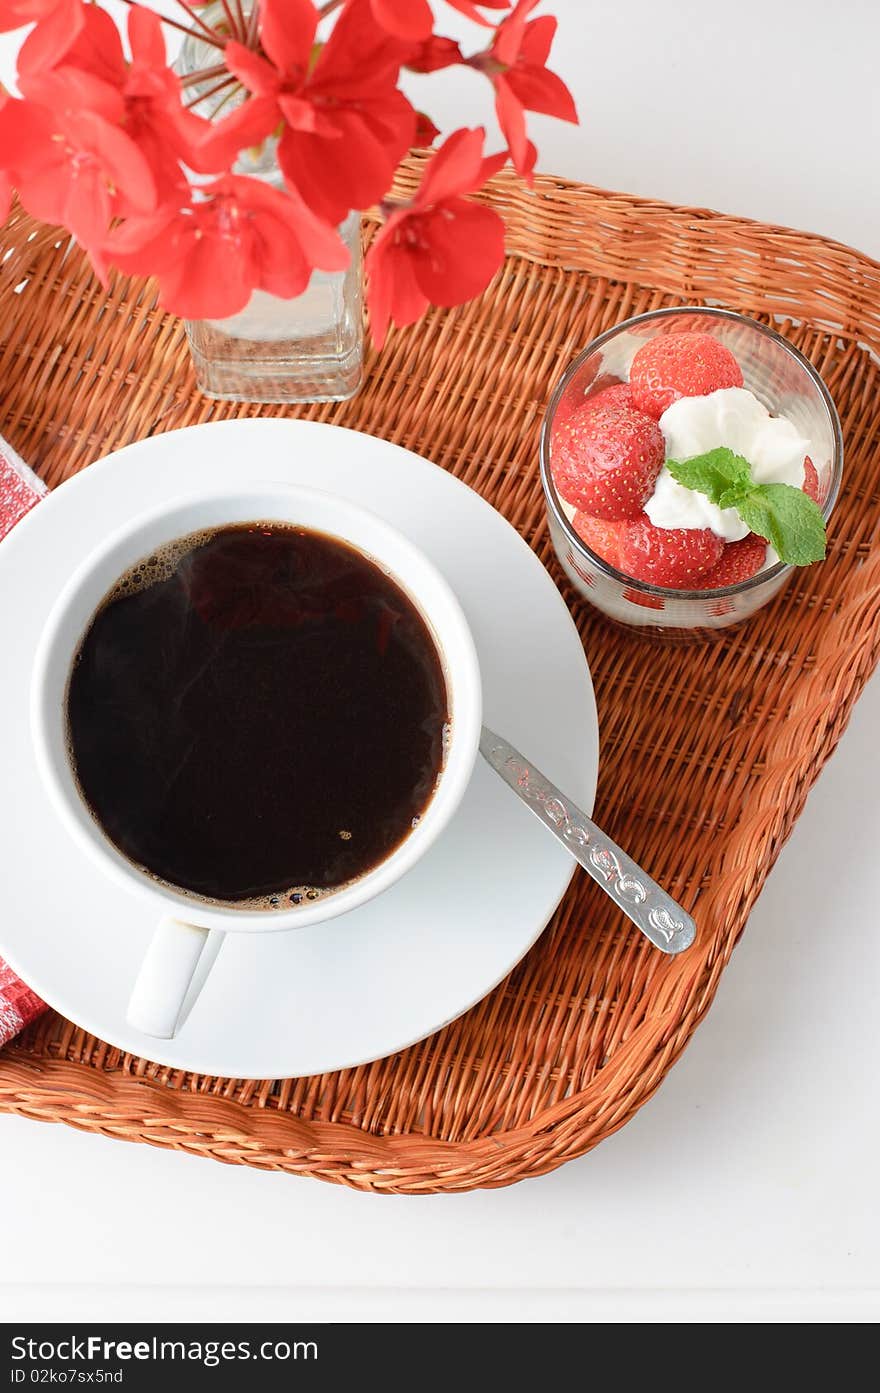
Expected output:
(605, 460)
(600, 535)
(672, 366)
(620, 394)
(607, 391)
(740, 561)
(604, 379)
(811, 480)
(674, 557)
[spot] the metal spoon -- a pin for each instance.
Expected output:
(658, 916)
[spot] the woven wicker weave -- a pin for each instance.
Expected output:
(707, 754)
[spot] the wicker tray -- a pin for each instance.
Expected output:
(707, 753)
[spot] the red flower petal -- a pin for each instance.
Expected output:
(426, 131)
(537, 89)
(66, 171)
(256, 73)
(211, 282)
(336, 175)
(359, 58)
(455, 169)
(162, 139)
(53, 36)
(248, 125)
(466, 242)
(145, 37)
(88, 206)
(73, 90)
(354, 167)
(144, 245)
(26, 132)
(509, 35)
(79, 175)
(320, 242)
(393, 119)
(511, 119)
(287, 29)
(379, 290)
(202, 272)
(469, 8)
(537, 40)
(302, 115)
(98, 48)
(392, 289)
(16, 13)
(120, 162)
(432, 55)
(406, 19)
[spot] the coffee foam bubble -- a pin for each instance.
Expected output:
(300, 897)
(159, 566)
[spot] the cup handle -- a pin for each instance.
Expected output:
(164, 978)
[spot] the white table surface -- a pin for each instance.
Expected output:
(746, 1190)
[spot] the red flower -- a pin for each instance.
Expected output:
(433, 53)
(241, 235)
(101, 143)
(74, 166)
(426, 131)
(440, 248)
(58, 22)
(346, 126)
(155, 116)
(413, 19)
(516, 63)
(144, 96)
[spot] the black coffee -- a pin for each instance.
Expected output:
(257, 715)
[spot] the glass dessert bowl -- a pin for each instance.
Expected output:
(745, 372)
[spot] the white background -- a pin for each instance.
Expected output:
(746, 1190)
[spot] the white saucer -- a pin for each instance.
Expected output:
(310, 1000)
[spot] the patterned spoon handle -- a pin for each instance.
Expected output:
(658, 916)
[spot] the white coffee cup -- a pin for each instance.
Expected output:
(184, 923)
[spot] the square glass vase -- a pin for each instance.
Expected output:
(309, 348)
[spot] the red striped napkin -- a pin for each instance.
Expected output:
(20, 490)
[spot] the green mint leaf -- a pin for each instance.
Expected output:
(720, 474)
(731, 497)
(790, 521)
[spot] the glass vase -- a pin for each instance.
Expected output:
(309, 348)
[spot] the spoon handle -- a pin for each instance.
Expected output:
(658, 916)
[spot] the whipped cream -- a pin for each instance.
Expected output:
(736, 418)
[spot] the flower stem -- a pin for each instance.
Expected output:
(212, 91)
(208, 38)
(231, 20)
(209, 35)
(203, 75)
